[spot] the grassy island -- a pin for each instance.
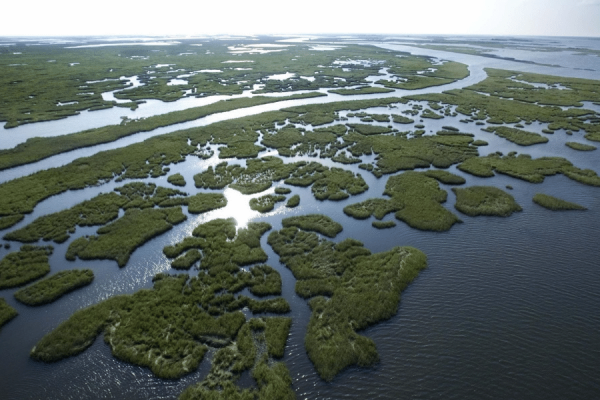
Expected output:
(361, 289)
(169, 328)
(26, 265)
(119, 239)
(580, 146)
(50, 289)
(556, 204)
(176, 179)
(315, 223)
(265, 203)
(6, 312)
(485, 200)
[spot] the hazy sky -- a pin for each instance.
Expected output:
(134, 17)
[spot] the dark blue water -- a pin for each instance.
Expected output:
(507, 308)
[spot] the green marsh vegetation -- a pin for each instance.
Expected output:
(485, 200)
(293, 201)
(314, 223)
(518, 136)
(349, 289)
(383, 224)
(105, 208)
(580, 146)
(259, 174)
(38, 148)
(512, 102)
(360, 90)
(282, 190)
(50, 289)
(6, 312)
(416, 199)
(555, 204)
(259, 343)
(116, 241)
(265, 203)
(448, 72)
(176, 179)
(524, 167)
(23, 266)
(170, 327)
(427, 113)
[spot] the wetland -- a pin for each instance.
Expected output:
(337, 237)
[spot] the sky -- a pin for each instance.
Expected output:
(186, 17)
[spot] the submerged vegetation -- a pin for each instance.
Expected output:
(49, 289)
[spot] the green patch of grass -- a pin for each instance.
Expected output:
(527, 168)
(203, 202)
(187, 260)
(365, 129)
(315, 223)
(282, 190)
(26, 265)
(485, 200)
(518, 136)
(7, 222)
(479, 143)
(294, 201)
(445, 177)
(415, 197)
(427, 113)
(38, 148)
(555, 204)
(401, 119)
(360, 90)
(272, 378)
(176, 179)
(52, 288)
(383, 224)
(170, 327)
(119, 239)
(6, 312)
(421, 200)
(580, 146)
(265, 203)
(362, 289)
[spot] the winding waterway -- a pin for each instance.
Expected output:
(507, 308)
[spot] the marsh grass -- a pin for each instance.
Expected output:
(315, 223)
(258, 342)
(265, 203)
(26, 265)
(293, 201)
(580, 146)
(518, 136)
(360, 90)
(52, 288)
(38, 148)
(524, 167)
(485, 200)
(383, 224)
(362, 289)
(119, 239)
(555, 204)
(6, 312)
(169, 328)
(176, 179)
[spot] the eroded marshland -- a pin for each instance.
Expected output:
(426, 163)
